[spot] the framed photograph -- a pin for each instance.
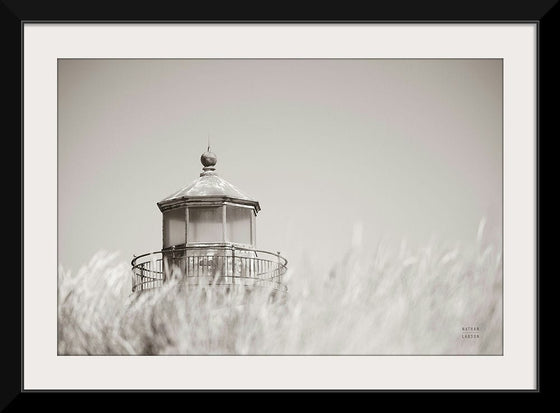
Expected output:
(295, 205)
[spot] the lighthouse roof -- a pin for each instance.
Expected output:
(208, 187)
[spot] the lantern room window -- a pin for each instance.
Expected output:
(174, 227)
(205, 224)
(239, 222)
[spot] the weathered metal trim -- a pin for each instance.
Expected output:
(213, 200)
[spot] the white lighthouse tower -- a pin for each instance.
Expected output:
(209, 238)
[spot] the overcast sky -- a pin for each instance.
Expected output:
(399, 148)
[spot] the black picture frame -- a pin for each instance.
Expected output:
(15, 14)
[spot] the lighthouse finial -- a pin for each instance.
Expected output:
(208, 160)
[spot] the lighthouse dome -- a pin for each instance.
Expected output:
(209, 186)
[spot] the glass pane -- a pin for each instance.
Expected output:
(253, 229)
(238, 224)
(205, 224)
(173, 227)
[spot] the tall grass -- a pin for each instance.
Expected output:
(392, 300)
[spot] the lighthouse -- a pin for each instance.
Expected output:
(209, 238)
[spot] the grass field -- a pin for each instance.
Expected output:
(391, 300)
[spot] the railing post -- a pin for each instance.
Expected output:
(233, 265)
(278, 278)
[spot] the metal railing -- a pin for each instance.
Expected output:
(209, 265)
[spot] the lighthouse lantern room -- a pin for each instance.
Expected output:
(209, 237)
